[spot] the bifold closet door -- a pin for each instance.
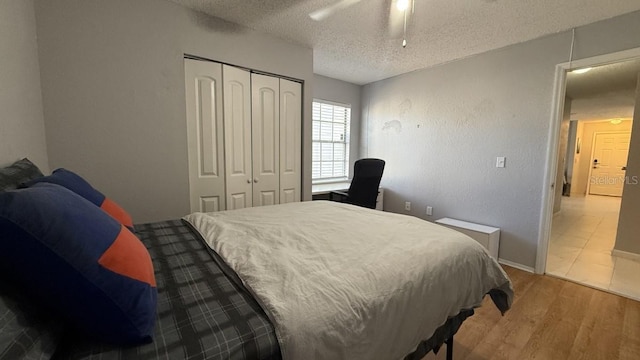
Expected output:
(265, 139)
(203, 89)
(237, 137)
(290, 140)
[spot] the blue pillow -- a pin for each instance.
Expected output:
(81, 263)
(80, 186)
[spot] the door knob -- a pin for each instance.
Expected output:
(248, 181)
(255, 180)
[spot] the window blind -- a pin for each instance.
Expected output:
(330, 140)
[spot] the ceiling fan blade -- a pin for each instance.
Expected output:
(395, 24)
(327, 11)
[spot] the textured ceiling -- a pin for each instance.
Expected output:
(357, 45)
(606, 92)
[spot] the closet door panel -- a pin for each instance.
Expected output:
(266, 198)
(290, 140)
(238, 201)
(289, 195)
(265, 139)
(237, 136)
(203, 90)
(210, 204)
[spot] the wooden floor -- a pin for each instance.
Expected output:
(551, 319)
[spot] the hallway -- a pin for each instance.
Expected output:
(582, 237)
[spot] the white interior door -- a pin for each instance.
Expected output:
(203, 88)
(290, 140)
(609, 161)
(265, 139)
(237, 136)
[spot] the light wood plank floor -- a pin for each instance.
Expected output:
(550, 319)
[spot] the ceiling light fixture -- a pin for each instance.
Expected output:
(616, 121)
(581, 71)
(402, 5)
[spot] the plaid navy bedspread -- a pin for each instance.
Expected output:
(202, 313)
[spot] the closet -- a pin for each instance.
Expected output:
(244, 137)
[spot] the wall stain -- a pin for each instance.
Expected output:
(484, 109)
(393, 125)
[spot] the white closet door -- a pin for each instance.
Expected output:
(237, 136)
(265, 139)
(290, 140)
(203, 88)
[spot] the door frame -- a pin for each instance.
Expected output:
(593, 148)
(548, 193)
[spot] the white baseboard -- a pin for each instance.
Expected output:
(625, 254)
(516, 265)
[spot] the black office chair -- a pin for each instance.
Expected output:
(363, 191)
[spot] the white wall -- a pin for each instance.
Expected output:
(562, 154)
(326, 88)
(577, 159)
(21, 124)
(113, 91)
(571, 150)
(441, 129)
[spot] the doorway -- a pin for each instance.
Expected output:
(593, 147)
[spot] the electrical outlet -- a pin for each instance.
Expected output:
(429, 210)
(407, 205)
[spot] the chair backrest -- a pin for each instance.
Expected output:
(367, 174)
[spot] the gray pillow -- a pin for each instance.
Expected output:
(26, 332)
(19, 172)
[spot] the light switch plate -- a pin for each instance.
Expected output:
(501, 161)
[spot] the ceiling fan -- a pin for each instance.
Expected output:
(398, 14)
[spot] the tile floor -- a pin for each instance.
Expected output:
(582, 236)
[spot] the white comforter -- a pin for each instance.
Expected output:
(344, 282)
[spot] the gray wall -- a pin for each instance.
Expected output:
(441, 129)
(113, 92)
(326, 88)
(21, 123)
(628, 237)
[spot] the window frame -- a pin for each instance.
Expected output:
(346, 142)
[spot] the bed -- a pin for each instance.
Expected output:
(211, 304)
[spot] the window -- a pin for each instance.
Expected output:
(330, 139)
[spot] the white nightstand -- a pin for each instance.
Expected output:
(487, 236)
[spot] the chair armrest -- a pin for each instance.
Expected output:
(339, 196)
